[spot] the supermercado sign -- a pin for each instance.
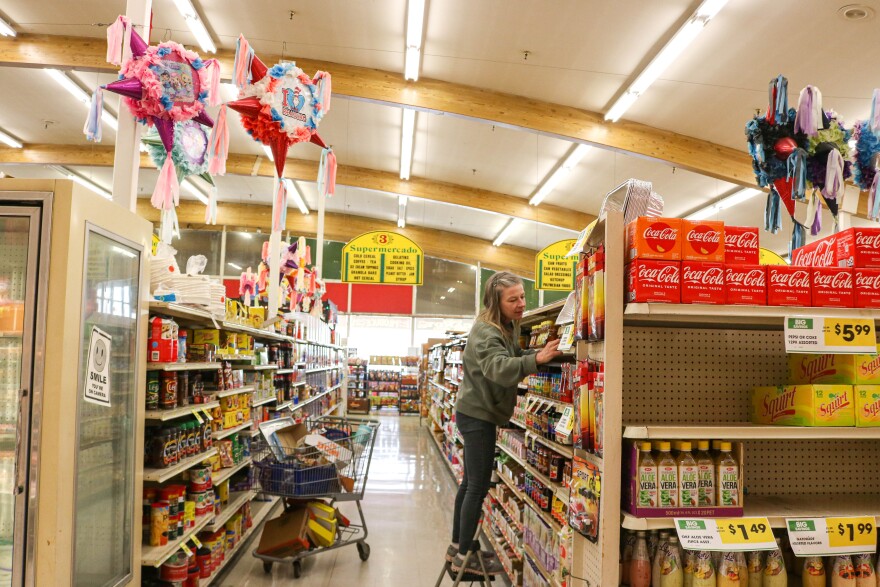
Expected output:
(382, 257)
(553, 270)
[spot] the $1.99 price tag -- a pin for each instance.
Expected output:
(852, 532)
(832, 536)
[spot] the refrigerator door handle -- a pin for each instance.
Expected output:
(19, 483)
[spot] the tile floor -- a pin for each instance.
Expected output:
(408, 508)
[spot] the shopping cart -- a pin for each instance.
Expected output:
(335, 471)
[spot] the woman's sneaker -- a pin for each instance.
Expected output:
(451, 553)
(490, 563)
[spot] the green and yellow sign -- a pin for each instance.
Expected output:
(382, 257)
(553, 270)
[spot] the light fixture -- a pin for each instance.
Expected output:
(124, 252)
(298, 197)
(415, 24)
(6, 29)
(401, 211)
(196, 26)
(505, 232)
(199, 194)
(551, 181)
(10, 140)
(72, 175)
(234, 266)
(442, 297)
(246, 235)
(407, 138)
(269, 153)
(723, 204)
(669, 53)
(450, 290)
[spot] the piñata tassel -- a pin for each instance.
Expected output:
(816, 227)
(874, 120)
(279, 207)
(796, 167)
(834, 185)
(218, 149)
(322, 80)
(92, 128)
(798, 237)
(241, 68)
(778, 102)
(115, 39)
(772, 219)
(169, 227)
(327, 173)
(211, 208)
(873, 200)
(808, 119)
(214, 97)
(166, 195)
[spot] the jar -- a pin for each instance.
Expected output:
(152, 390)
(168, 390)
(182, 388)
(159, 523)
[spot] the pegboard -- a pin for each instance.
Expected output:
(592, 565)
(13, 263)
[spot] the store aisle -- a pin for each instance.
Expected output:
(408, 505)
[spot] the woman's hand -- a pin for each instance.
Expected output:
(548, 353)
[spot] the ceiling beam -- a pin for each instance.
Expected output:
(344, 227)
(304, 170)
(387, 87)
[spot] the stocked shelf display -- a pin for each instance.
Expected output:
(387, 381)
(358, 392)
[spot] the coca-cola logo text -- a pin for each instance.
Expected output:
(668, 274)
(866, 281)
(824, 256)
(710, 276)
(660, 237)
(752, 278)
(836, 281)
(744, 240)
(704, 239)
(803, 258)
(868, 240)
(800, 279)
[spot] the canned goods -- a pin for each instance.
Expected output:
(152, 390)
(168, 390)
(159, 523)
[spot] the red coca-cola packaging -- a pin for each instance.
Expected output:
(866, 288)
(653, 281)
(859, 247)
(745, 285)
(702, 240)
(820, 253)
(702, 283)
(653, 238)
(741, 245)
(788, 285)
(832, 287)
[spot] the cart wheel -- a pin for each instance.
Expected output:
(267, 567)
(297, 570)
(363, 550)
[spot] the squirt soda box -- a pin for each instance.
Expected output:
(702, 240)
(867, 406)
(654, 238)
(803, 405)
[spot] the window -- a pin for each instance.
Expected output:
(379, 335)
(199, 242)
(449, 289)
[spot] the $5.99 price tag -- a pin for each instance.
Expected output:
(857, 332)
(831, 536)
(809, 334)
(728, 534)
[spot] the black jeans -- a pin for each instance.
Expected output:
(479, 457)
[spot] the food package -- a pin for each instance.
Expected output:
(803, 405)
(702, 240)
(654, 238)
(702, 282)
(741, 245)
(745, 285)
(832, 287)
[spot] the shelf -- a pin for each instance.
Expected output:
(496, 546)
(559, 490)
(230, 431)
(548, 519)
(547, 400)
(236, 500)
(444, 457)
(283, 406)
(258, 367)
(234, 358)
(435, 384)
(156, 555)
(255, 332)
(184, 312)
(777, 509)
(746, 431)
(285, 371)
(503, 506)
(331, 410)
(595, 350)
(543, 312)
(264, 401)
(735, 317)
(163, 475)
(311, 400)
(224, 474)
(534, 558)
(236, 391)
(566, 451)
(183, 366)
(165, 415)
(321, 369)
(518, 424)
(509, 453)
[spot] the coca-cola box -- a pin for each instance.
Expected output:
(741, 245)
(631, 491)
(805, 256)
(745, 285)
(653, 281)
(702, 240)
(859, 247)
(654, 238)
(866, 288)
(788, 285)
(702, 283)
(832, 287)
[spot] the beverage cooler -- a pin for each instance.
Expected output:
(73, 292)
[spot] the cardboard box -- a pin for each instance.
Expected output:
(702, 283)
(788, 286)
(745, 285)
(806, 369)
(653, 281)
(868, 369)
(207, 336)
(803, 405)
(860, 247)
(702, 240)
(866, 288)
(867, 406)
(831, 287)
(654, 238)
(741, 245)
(285, 535)
(821, 253)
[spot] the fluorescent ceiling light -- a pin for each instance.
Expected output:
(723, 204)
(442, 297)
(196, 26)
(505, 232)
(298, 197)
(407, 137)
(199, 194)
(415, 24)
(450, 290)
(411, 63)
(234, 266)
(669, 53)
(401, 211)
(6, 29)
(10, 140)
(269, 153)
(551, 181)
(83, 96)
(246, 235)
(72, 175)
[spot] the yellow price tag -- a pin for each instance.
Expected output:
(186, 549)
(196, 541)
(199, 418)
(849, 332)
(207, 414)
(855, 531)
(745, 530)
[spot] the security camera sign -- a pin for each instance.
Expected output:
(97, 384)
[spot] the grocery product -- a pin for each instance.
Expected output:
(702, 240)
(813, 574)
(690, 559)
(755, 561)
(653, 281)
(867, 405)
(667, 475)
(866, 288)
(702, 282)
(671, 571)
(745, 285)
(597, 295)
(866, 575)
(743, 569)
(728, 571)
(843, 573)
(659, 558)
(654, 238)
(640, 567)
(788, 285)
(803, 405)
(704, 570)
(705, 475)
(832, 287)
(823, 368)
(688, 477)
(629, 544)
(741, 245)
(774, 570)
(648, 482)
(823, 252)
(728, 477)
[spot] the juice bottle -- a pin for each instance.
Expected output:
(728, 477)
(728, 571)
(813, 574)
(704, 570)
(671, 572)
(687, 476)
(647, 477)
(705, 475)
(667, 474)
(690, 560)
(662, 547)
(756, 568)
(865, 573)
(843, 573)
(640, 567)
(743, 569)
(774, 571)
(629, 542)
(653, 541)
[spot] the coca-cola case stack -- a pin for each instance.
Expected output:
(702, 262)
(653, 260)
(744, 278)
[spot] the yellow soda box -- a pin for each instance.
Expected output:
(868, 369)
(207, 336)
(257, 315)
(805, 369)
(803, 405)
(867, 405)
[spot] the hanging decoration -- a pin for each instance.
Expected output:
(300, 288)
(867, 156)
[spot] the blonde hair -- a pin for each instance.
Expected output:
(491, 312)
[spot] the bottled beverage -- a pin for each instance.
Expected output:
(667, 474)
(728, 571)
(705, 475)
(865, 572)
(629, 542)
(843, 573)
(774, 569)
(647, 477)
(659, 558)
(813, 574)
(653, 540)
(640, 567)
(755, 561)
(671, 572)
(690, 560)
(743, 569)
(687, 476)
(704, 570)
(728, 477)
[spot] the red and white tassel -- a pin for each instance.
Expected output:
(115, 39)
(322, 78)
(214, 97)
(327, 173)
(218, 149)
(166, 195)
(808, 119)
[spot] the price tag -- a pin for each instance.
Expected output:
(207, 414)
(832, 536)
(733, 534)
(199, 418)
(566, 421)
(196, 541)
(186, 549)
(567, 337)
(805, 334)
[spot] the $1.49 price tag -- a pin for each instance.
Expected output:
(831, 536)
(728, 534)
